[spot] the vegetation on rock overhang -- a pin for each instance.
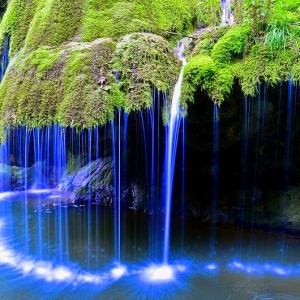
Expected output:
(118, 18)
(15, 23)
(58, 85)
(54, 22)
(263, 48)
(144, 61)
(75, 84)
(64, 57)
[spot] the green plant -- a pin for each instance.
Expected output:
(231, 45)
(278, 35)
(210, 13)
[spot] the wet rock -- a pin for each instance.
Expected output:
(93, 184)
(135, 197)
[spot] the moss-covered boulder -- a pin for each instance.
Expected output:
(65, 57)
(262, 47)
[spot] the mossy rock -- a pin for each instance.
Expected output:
(144, 61)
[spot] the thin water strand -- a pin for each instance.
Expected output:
(172, 138)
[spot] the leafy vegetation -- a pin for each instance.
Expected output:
(262, 47)
(65, 55)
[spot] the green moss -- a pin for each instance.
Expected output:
(210, 12)
(116, 19)
(55, 22)
(262, 66)
(15, 22)
(231, 45)
(53, 77)
(86, 103)
(202, 71)
(264, 48)
(144, 61)
(177, 15)
(50, 86)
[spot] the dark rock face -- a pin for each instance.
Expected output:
(93, 184)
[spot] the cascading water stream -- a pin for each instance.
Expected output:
(172, 138)
(214, 210)
(227, 16)
(5, 57)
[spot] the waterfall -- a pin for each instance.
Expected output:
(4, 57)
(227, 15)
(171, 142)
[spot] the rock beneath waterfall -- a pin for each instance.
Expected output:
(93, 183)
(278, 212)
(93, 175)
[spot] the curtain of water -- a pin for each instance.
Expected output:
(288, 134)
(244, 168)
(5, 150)
(171, 142)
(183, 166)
(26, 163)
(214, 209)
(119, 186)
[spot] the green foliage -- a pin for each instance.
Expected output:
(266, 51)
(257, 12)
(202, 71)
(210, 13)
(116, 19)
(231, 45)
(55, 22)
(278, 35)
(144, 61)
(15, 23)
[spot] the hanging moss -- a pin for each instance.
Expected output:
(60, 71)
(144, 61)
(264, 48)
(202, 71)
(59, 85)
(85, 104)
(15, 23)
(64, 55)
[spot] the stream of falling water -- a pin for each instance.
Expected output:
(172, 139)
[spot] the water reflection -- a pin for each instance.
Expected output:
(67, 258)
